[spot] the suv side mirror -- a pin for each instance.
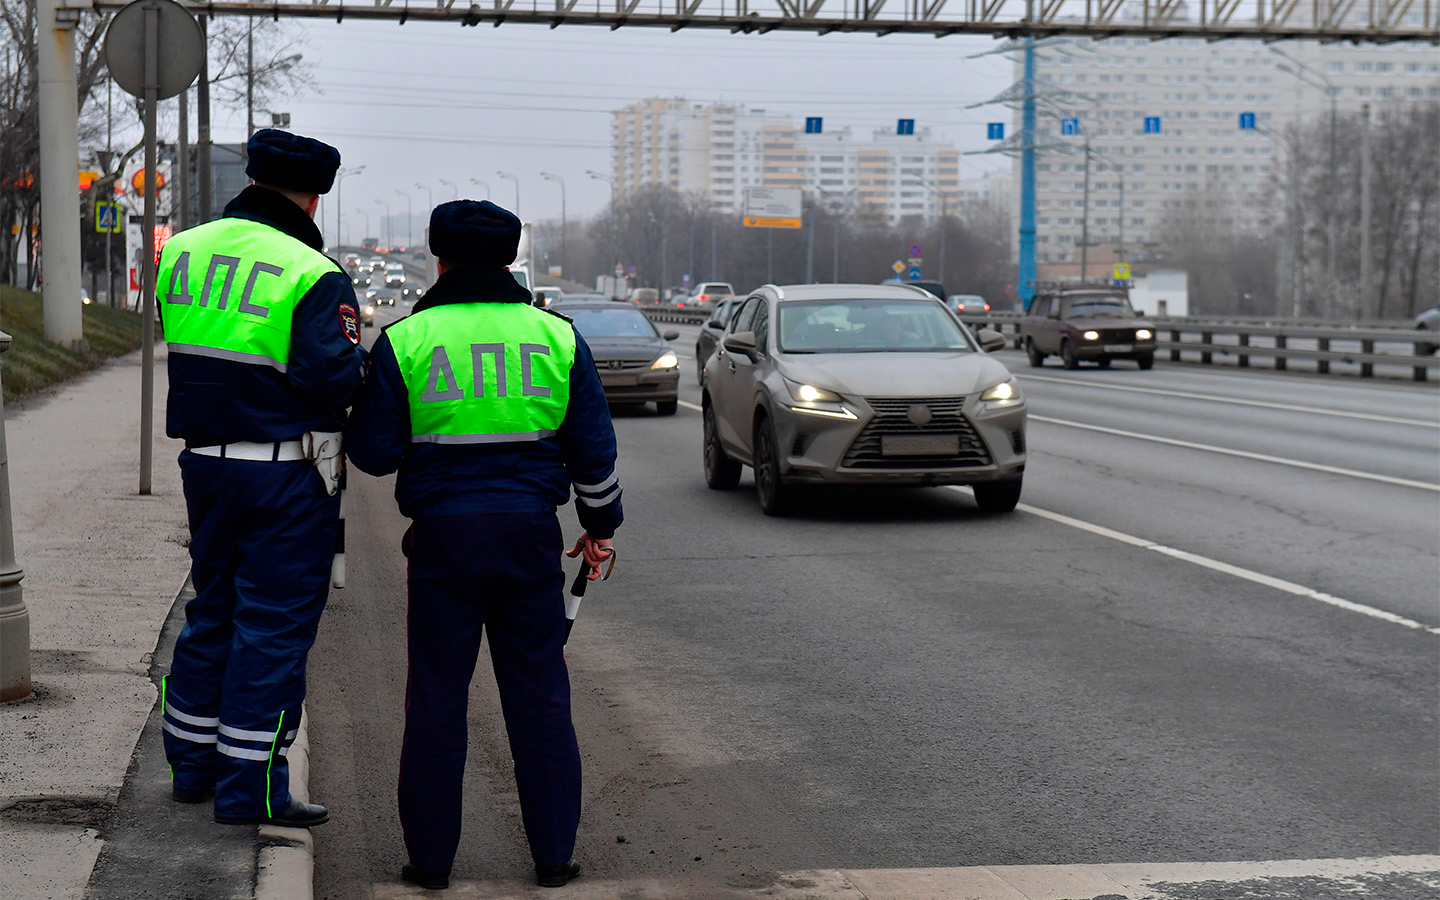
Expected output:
(990, 340)
(671, 335)
(742, 342)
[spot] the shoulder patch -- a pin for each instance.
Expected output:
(350, 321)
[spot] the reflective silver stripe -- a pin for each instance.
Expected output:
(502, 438)
(599, 501)
(241, 734)
(290, 735)
(284, 751)
(602, 495)
(184, 735)
(598, 488)
(189, 719)
(238, 753)
(250, 359)
(251, 451)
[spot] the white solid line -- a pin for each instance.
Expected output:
(688, 405)
(1261, 457)
(1368, 417)
(1269, 581)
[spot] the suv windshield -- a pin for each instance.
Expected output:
(1098, 305)
(620, 322)
(867, 326)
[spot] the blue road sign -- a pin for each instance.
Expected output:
(905, 126)
(1247, 121)
(1152, 124)
(913, 274)
(814, 124)
(995, 131)
(107, 217)
(1069, 126)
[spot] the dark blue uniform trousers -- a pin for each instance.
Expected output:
(262, 539)
(469, 573)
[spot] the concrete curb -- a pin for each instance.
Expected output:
(285, 865)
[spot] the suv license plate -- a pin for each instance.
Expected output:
(1119, 348)
(920, 445)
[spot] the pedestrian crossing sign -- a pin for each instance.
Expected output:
(107, 218)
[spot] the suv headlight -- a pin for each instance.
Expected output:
(1004, 392)
(666, 360)
(809, 393)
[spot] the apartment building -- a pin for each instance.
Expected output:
(1199, 166)
(717, 151)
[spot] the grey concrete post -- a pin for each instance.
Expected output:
(1362, 307)
(14, 617)
(59, 148)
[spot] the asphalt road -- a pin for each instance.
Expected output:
(1193, 642)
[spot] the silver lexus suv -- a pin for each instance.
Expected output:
(860, 384)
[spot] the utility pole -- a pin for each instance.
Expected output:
(1362, 306)
(1026, 274)
(409, 220)
(202, 123)
(560, 181)
(1085, 218)
(1121, 248)
(249, 86)
(184, 148)
(810, 248)
(59, 143)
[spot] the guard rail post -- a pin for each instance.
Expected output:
(1323, 365)
(1205, 339)
(1175, 340)
(1367, 369)
(1280, 344)
(1244, 358)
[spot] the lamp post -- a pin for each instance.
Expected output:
(409, 219)
(1300, 71)
(389, 242)
(605, 178)
(484, 184)
(611, 181)
(517, 189)
(429, 195)
(340, 177)
(14, 617)
(560, 181)
(454, 191)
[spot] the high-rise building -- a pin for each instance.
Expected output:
(717, 151)
(1162, 120)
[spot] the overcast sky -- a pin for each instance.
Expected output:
(424, 101)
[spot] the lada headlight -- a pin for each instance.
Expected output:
(1143, 334)
(1091, 335)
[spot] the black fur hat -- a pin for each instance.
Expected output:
(467, 233)
(284, 160)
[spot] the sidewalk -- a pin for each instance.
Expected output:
(104, 569)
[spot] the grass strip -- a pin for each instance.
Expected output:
(33, 363)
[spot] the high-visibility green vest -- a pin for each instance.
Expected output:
(228, 290)
(484, 373)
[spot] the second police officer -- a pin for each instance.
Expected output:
(491, 410)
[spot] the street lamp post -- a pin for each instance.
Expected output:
(507, 175)
(389, 236)
(339, 210)
(1300, 71)
(484, 184)
(14, 617)
(598, 176)
(409, 220)
(560, 181)
(429, 195)
(454, 191)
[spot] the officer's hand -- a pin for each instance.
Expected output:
(596, 552)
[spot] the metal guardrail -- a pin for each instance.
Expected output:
(671, 315)
(1204, 339)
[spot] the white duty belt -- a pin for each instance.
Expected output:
(256, 451)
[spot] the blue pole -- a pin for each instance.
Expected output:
(1025, 277)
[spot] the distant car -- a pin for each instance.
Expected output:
(352, 261)
(547, 294)
(376, 263)
(710, 332)
(635, 361)
(1429, 320)
(419, 256)
(709, 293)
(410, 294)
(367, 314)
(394, 274)
(860, 384)
(1086, 324)
(382, 296)
(971, 303)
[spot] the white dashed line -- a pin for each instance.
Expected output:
(688, 405)
(1235, 401)
(1269, 581)
(1260, 457)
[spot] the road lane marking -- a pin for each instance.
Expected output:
(1243, 454)
(1215, 398)
(1269, 581)
(1366, 877)
(688, 405)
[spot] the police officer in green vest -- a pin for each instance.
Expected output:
(264, 358)
(491, 410)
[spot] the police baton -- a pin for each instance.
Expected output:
(337, 567)
(577, 591)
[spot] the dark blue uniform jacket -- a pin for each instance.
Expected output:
(525, 476)
(217, 401)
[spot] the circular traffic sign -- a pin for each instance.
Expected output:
(179, 48)
(915, 250)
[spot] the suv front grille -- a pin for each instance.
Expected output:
(892, 418)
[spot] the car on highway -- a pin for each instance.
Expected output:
(1086, 324)
(636, 362)
(1429, 320)
(547, 294)
(971, 303)
(394, 274)
(352, 262)
(710, 332)
(588, 298)
(376, 264)
(367, 313)
(382, 296)
(709, 293)
(854, 384)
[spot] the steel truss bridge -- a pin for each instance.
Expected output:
(1388, 21)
